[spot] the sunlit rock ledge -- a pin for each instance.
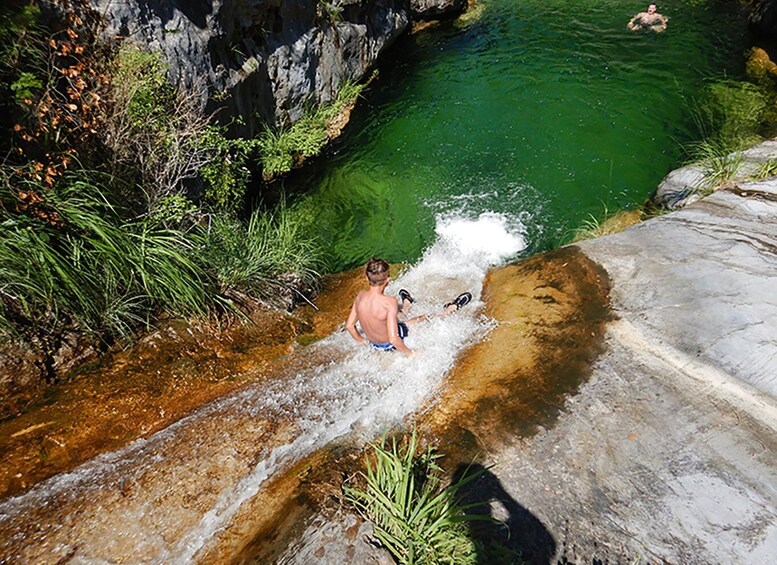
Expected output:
(665, 450)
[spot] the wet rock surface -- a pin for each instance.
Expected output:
(625, 397)
(436, 9)
(668, 452)
(133, 393)
(661, 450)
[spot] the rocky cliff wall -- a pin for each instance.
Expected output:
(763, 18)
(263, 60)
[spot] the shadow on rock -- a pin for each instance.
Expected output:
(516, 535)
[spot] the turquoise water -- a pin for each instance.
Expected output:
(544, 112)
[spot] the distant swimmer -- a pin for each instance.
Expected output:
(650, 20)
(382, 318)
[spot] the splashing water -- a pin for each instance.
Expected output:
(167, 496)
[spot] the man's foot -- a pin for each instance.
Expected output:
(461, 300)
(405, 295)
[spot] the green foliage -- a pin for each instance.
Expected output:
(90, 266)
(330, 10)
(173, 210)
(151, 97)
(20, 36)
(226, 174)
(283, 148)
(22, 61)
(414, 515)
(718, 160)
(26, 86)
(606, 224)
(729, 114)
(766, 170)
(250, 258)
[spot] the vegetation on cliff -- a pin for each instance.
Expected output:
(120, 199)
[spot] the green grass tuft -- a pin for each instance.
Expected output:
(253, 257)
(414, 514)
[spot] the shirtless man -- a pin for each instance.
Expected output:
(651, 20)
(382, 319)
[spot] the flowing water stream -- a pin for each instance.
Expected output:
(545, 111)
(162, 499)
(480, 142)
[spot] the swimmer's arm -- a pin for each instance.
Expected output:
(351, 325)
(631, 25)
(391, 327)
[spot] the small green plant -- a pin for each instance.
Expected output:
(718, 162)
(330, 10)
(284, 148)
(414, 514)
(252, 258)
(227, 173)
(766, 170)
(142, 77)
(606, 224)
(173, 210)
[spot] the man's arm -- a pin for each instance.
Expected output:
(351, 325)
(393, 329)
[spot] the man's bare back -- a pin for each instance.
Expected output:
(374, 314)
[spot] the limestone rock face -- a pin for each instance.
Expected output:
(436, 9)
(684, 186)
(260, 59)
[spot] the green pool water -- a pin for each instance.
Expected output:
(544, 111)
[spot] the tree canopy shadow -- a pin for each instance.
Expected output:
(514, 535)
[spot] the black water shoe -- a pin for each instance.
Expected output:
(405, 295)
(461, 300)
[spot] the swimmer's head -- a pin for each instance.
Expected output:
(651, 8)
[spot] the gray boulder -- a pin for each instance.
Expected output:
(687, 184)
(436, 9)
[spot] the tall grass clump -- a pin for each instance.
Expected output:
(75, 260)
(284, 148)
(414, 514)
(729, 117)
(606, 224)
(261, 257)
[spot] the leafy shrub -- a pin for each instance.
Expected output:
(21, 45)
(226, 174)
(154, 132)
